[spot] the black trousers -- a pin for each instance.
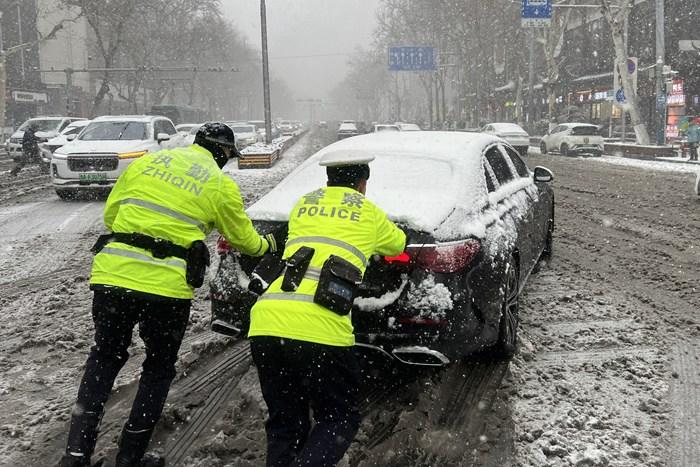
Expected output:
(162, 325)
(296, 376)
(693, 149)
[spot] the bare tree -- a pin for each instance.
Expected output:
(617, 13)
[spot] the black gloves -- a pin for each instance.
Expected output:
(276, 239)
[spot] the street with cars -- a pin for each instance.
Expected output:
(606, 369)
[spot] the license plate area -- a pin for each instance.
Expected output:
(92, 177)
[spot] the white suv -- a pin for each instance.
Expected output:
(46, 128)
(95, 159)
(573, 139)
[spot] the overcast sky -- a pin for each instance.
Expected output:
(331, 28)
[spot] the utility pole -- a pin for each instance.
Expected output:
(660, 60)
(531, 81)
(266, 74)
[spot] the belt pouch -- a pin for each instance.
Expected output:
(338, 284)
(267, 270)
(297, 264)
(197, 262)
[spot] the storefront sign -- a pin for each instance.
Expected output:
(676, 97)
(28, 96)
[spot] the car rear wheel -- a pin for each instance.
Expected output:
(564, 150)
(507, 342)
(543, 148)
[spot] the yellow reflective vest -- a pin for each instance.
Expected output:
(178, 195)
(333, 221)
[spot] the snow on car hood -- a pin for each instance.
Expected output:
(417, 180)
(83, 147)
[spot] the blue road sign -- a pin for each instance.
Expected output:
(661, 101)
(536, 13)
(411, 58)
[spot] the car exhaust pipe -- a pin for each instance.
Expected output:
(420, 356)
(415, 356)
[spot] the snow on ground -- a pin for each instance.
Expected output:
(668, 165)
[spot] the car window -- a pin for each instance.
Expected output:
(165, 126)
(585, 131)
(499, 165)
(518, 163)
(489, 176)
(73, 130)
(64, 124)
(114, 131)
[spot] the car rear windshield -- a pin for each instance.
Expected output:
(585, 131)
(41, 125)
(113, 131)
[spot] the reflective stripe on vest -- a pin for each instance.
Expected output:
(313, 273)
(333, 242)
(288, 296)
(166, 211)
(178, 263)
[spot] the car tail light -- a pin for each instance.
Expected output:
(422, 321)
(445, 257)
(222, 246)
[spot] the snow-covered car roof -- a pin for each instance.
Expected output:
(508, 127)
(571, 125)
(417, 178)
(127, 118)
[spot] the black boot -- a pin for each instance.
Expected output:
(72, 461)
(81, 438)
(132, 447)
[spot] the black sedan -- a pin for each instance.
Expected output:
(478, 219)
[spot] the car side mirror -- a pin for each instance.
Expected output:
(71, 137)
(543, 175)
(163, 137)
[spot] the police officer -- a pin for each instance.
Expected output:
(30, 150)
(159, 212)
(303, 349)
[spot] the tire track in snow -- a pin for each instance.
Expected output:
(685, 399)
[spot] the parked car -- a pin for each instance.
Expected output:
(514, 134)
(323, 125)
(408, 126)
(245, 133)
(287, 127)
(573, 139)
(68, 134)
(346, 130)
(385, 127)
(94, 160)
(185, 128)
(260, 129)
(477, 227)
(46, 128)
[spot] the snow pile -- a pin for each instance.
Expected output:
(378, 303)
(431, 299)
(263, 148)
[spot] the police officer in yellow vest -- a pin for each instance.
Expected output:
(301, 331)
(159, 213)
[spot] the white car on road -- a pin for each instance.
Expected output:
(573, 139)
(95, 159)
(245, 134)
(68, 134)
(46, 128)
(514, 134)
